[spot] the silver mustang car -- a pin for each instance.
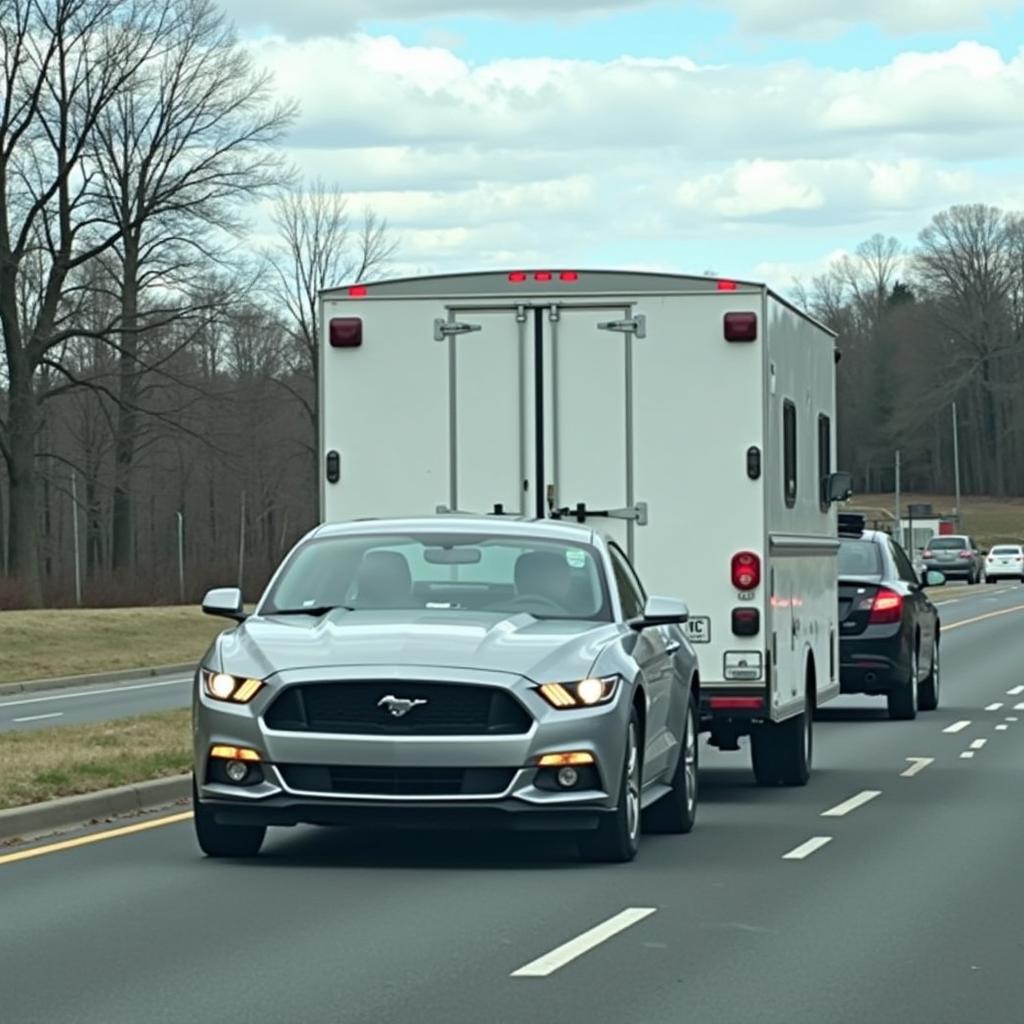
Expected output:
(445, 672)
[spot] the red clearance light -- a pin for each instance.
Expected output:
(517, 277)
(887, 607)
(357, 291)
(741, 327)
(727, 286)
(736, 703)
(746, 571)
(568, 275)
(346, 332)
(543, 275)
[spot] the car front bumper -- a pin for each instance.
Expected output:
(521, 798)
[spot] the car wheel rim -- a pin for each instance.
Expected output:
(633, 786)
(690, 763)
(936, 670)
(913, 681)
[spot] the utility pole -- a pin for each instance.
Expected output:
(181, 557)
(956, 466)
(241, 545)
(74, 532)
(899, 503)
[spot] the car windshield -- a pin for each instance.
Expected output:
(947, 544)
(859, 558)
(1006, 551)
(548, 579)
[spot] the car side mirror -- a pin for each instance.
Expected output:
(934, 579)
(840, 487)
(226, 602)
(662, 611)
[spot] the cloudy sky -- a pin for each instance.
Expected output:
(753, 138)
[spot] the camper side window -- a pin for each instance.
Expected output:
(824, 459)
(789, 452)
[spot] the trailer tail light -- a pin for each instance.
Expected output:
(886, 608)
(727, 286)
(746, 571)
(746, 621)
(517, 277)
(736, 703)
(741, 327)
(357, 291)
(346, 332)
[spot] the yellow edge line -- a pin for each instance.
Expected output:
(97, 837)
(983, 618)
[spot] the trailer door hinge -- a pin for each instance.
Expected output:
(450, 328)
(637, 326)
(635, 513)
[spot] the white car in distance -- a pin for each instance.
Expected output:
(1005, 561)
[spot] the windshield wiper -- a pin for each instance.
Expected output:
(316, 610)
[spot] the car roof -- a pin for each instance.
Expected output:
(546, 529)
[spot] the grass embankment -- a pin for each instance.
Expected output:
(66, 760)
(989, 520)
(52, 644)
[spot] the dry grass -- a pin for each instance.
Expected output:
(45, 764)
(989, 520)
(51, 644)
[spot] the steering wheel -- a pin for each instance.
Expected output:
(528, 601)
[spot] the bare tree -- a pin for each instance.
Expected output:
(317, 249)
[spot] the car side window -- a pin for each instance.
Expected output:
(631, 593)
(903, 564)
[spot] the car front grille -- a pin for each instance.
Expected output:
(364, 780)
(362, 707)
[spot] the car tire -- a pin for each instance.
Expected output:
(781, 752)
(676, 812)
(903, 701)
(928, 691)
(224, 840)
(617, 839)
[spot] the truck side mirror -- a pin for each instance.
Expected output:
(840, 487)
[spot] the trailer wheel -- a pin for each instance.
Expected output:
(781, 751)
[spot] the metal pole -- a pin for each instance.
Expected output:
(181, 557)
(241, 545)
(956, 466)
(899, 503)
(74, 531)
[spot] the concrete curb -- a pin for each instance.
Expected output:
(70, 811)
(128, 675)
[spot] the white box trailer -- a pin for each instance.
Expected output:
(688, 418)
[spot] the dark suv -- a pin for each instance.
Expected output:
(957, 557)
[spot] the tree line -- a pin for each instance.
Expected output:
(157, 376)
(924, 329)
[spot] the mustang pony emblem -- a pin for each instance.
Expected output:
(399, 706)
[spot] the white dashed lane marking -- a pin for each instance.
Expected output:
(957, 726)
(804, 850)
(919, 765)
(847, 806)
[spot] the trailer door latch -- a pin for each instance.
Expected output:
(636, 326)
(451, 328)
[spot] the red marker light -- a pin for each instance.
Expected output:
(568, 275)
(740, 327)
(727, 286)
(543, 275)
(357, 291)
(736, 703)
(517, 277)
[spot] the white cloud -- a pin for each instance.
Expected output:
(303, 18)
(830, 17)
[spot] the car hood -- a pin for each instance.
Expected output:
(520, 644)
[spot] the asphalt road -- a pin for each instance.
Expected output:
(909, 913)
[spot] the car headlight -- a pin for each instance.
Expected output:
(237, 689)
(585, 693)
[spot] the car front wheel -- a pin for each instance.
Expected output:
(617, 839)
(676, 812)
(217, 840)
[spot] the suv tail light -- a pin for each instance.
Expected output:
(746, 571)
(887, 607)
(927, 554)
(966, 554)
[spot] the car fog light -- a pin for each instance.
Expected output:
(568, 777)
(236, 770)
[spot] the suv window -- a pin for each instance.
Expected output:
(631, 593)
(904, 566)
(789, 453)
(824, 459)
(947, 544)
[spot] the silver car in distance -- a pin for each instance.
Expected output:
(449, 672)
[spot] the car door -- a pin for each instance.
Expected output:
(653, 652)
(923, 619)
